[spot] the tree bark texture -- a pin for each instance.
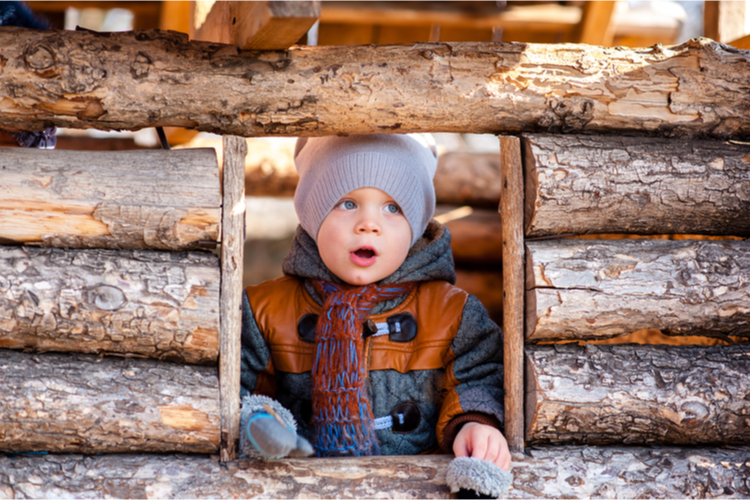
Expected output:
(168, 200)
(597, 184)
(86, 404)
(637, 394)
(586, 289)
(66, 78)
(552, 472)
(143, 303)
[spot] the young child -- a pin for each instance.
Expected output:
(365, 340)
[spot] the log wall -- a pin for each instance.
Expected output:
(638, 394)
(639, 185)
(86, 404)
(584, 289)
(167, 200)
(163, 79)
(151, 304)
(562, 472)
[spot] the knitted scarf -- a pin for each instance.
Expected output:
(342, 418)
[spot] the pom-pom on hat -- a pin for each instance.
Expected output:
(402, 166)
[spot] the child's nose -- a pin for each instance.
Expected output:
(368, 224)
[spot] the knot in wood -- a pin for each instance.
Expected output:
(40, 59)
(141, 66)
(106, 297)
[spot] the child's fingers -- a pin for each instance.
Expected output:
(479, 444)
(493, 451)
(503, 458)
(460, 447)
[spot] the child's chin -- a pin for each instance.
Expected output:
(360, 279)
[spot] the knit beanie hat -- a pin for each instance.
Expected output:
(402, 166)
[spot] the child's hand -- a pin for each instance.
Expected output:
(484, 442)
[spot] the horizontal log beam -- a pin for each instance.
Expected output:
(66, 78)
(586, 289)
(84, 404)
(166, 200)
(604, 184)
(633, 394)
(552, 472)
(151, 304)
(476, 234)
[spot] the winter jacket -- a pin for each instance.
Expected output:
(436, 363)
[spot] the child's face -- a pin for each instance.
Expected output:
(365, 237)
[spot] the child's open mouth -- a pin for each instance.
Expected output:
(363, 256)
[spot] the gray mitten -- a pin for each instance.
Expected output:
(476, 478)
(268, 430)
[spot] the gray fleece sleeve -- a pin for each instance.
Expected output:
(255, 352)
(479, 362)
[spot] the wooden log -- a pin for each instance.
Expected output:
(634, 394)
(585, 289)
(85, 404)
(232, 246)
(512, 209)
(643, 185)
(468, 179)
(563, 472)
(476, 234)
(151, 304)
(163, 79)
(167, 200)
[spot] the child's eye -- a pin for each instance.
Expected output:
(347, 205)
(392, 208)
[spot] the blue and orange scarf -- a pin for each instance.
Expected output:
(342, 417)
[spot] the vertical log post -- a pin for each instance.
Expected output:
(233, 235)
(512, 213)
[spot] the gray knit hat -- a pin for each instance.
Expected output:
(400, 165)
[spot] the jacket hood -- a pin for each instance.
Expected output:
(430, 258)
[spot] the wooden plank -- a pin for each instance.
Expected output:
(232, 246)
(163, 79)
(562, 472)
(162, 305)
(585, 289)
(77, 403)
(632, 394)
(642, 185)
(548, 17)
(214, 21)
(596, 26)
(511, 210)
(167, 200)
(265, 25)
(175, 15)
(274, 25)
(724, 20)
(741, 43)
